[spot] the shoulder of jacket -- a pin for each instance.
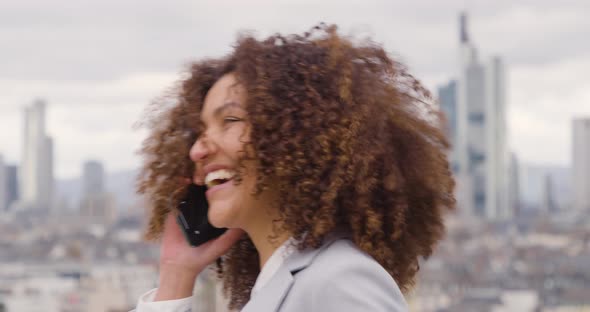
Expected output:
(342, 257)
(343, 277)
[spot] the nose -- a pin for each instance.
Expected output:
(202, 148)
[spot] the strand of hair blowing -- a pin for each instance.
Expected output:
(349, 138)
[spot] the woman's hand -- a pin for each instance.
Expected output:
(180, 263)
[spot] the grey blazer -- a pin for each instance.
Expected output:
(338, 276)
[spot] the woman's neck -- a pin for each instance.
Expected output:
(265, 239)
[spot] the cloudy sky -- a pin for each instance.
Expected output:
(98, 63)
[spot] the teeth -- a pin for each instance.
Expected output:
(221, 174)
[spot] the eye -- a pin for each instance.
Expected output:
(231, 119)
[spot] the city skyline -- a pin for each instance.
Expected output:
(102, 71)
(76, 77)
(475, 105)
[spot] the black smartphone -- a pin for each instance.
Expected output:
(192, 217)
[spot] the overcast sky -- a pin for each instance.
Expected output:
(98, 63)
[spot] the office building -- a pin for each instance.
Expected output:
(3, 186)
(581, 163)
(96, 205)
(475, 106)
(36, 174)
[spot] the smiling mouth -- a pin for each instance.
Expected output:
(217, 182)
(218, 177)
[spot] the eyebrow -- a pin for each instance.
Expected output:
(219, 110)
(227, 105)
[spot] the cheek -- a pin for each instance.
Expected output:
(244, 202)
(237, 139)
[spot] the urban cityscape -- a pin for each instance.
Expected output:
(519, 240)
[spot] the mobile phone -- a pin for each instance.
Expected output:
(192, 216)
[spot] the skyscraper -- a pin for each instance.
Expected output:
(12, 193)
(96, 204)
(93, 178)
(3, 186)
(548, 200)
(480, 155)
(36, 175)
(581, 163)
(497, 200)
(514, 186)
(447, 96)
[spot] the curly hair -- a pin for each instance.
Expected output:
(346, 135)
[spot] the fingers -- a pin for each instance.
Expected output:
(231, 236)
(170, 222)
(170, 218)
(221, 245)
(172, 231)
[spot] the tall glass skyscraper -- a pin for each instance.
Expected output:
(447, 96)
(3, 186)
(12, 191)
(36, 174)
(581, 163)
(475, 105)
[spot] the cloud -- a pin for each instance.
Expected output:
(544, 100)
(87, 119)
(535, 35)
(98, 63)
(136, 87)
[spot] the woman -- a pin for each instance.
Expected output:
(323, 158)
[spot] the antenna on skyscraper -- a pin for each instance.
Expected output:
(463, 27)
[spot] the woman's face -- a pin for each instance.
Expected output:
(216, 153)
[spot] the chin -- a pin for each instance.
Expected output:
(221, 215)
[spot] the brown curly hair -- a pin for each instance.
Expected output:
(349, 138)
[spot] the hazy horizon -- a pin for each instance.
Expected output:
(98, 64)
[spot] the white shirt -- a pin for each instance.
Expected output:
(146, 301)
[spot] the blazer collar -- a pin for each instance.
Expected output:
(272, 295)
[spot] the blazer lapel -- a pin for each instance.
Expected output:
(272, 295)
(302, 259)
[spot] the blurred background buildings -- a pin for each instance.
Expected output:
(581, 163)
(520, 239)
(475, 106)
